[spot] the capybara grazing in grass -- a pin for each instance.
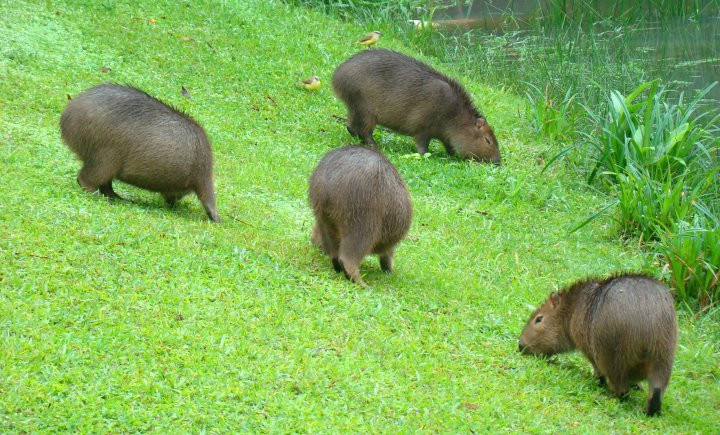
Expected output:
(625, 326)
(388, 88)
(120, 132)
(361, 206)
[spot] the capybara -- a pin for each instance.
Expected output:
(120, 132)
(625, 325)
(361, 206)
(388, 88)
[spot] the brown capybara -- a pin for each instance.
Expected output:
(120, 132)
(625, 325)
(388, 88)
(361, 206)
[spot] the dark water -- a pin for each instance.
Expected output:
(682, 51)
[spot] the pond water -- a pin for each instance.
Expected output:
(682, 51)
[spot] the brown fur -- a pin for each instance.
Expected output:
(120, 132)
(388, 88)
(361, 206)
(625, 325)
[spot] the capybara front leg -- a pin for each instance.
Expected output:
(422, 144)
(170, 199)
(107, 190)
(386, 261)
(206, 194)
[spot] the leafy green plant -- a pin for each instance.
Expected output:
(645, 202)
(644, 130)
(555, 118)
(692, 251)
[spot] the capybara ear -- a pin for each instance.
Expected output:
(481, 122)
(554, 300)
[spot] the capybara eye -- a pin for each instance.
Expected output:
(538, 319)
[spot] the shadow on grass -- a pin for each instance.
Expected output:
(633, 401)
(131, 198)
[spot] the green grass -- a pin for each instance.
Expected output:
(129, 316)
(575, 62)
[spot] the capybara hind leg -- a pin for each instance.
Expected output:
(337, 265)
(616, 377)
(92, 176)
(597, 374)
(328, 241)
(352, 271)
(350, 130)
(386, 261)
(316, 237)
(658, 378)
(619, 387)
(353, 248)
(361, 125)
(107, 190)
(206, 194)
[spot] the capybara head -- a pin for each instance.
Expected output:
(544, 332)
(478, 142)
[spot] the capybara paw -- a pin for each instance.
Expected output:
(337, 265)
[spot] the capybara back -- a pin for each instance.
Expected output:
(120, 132)
(625, 326)
(361, 206)
(394, 90)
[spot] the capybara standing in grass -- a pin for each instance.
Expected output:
(388, 88)
(361, 206)
(625, 326)
(120, 132)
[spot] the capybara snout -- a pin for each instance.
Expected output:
(624, 325)
(394, 90)
(120, 132)
(361, 206)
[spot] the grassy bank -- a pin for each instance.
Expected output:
(130, 316)
(620, 88)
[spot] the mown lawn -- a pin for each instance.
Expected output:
(130, 316)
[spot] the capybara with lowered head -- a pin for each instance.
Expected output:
(120, 132)
(388, 88)
(361, 206)
(625, 325)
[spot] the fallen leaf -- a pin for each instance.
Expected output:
(471, 406)
(152, 21)
(185, 38)
(105, 69)
(179, 317)
(57, 13)
(68, 97)
(184, 92)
